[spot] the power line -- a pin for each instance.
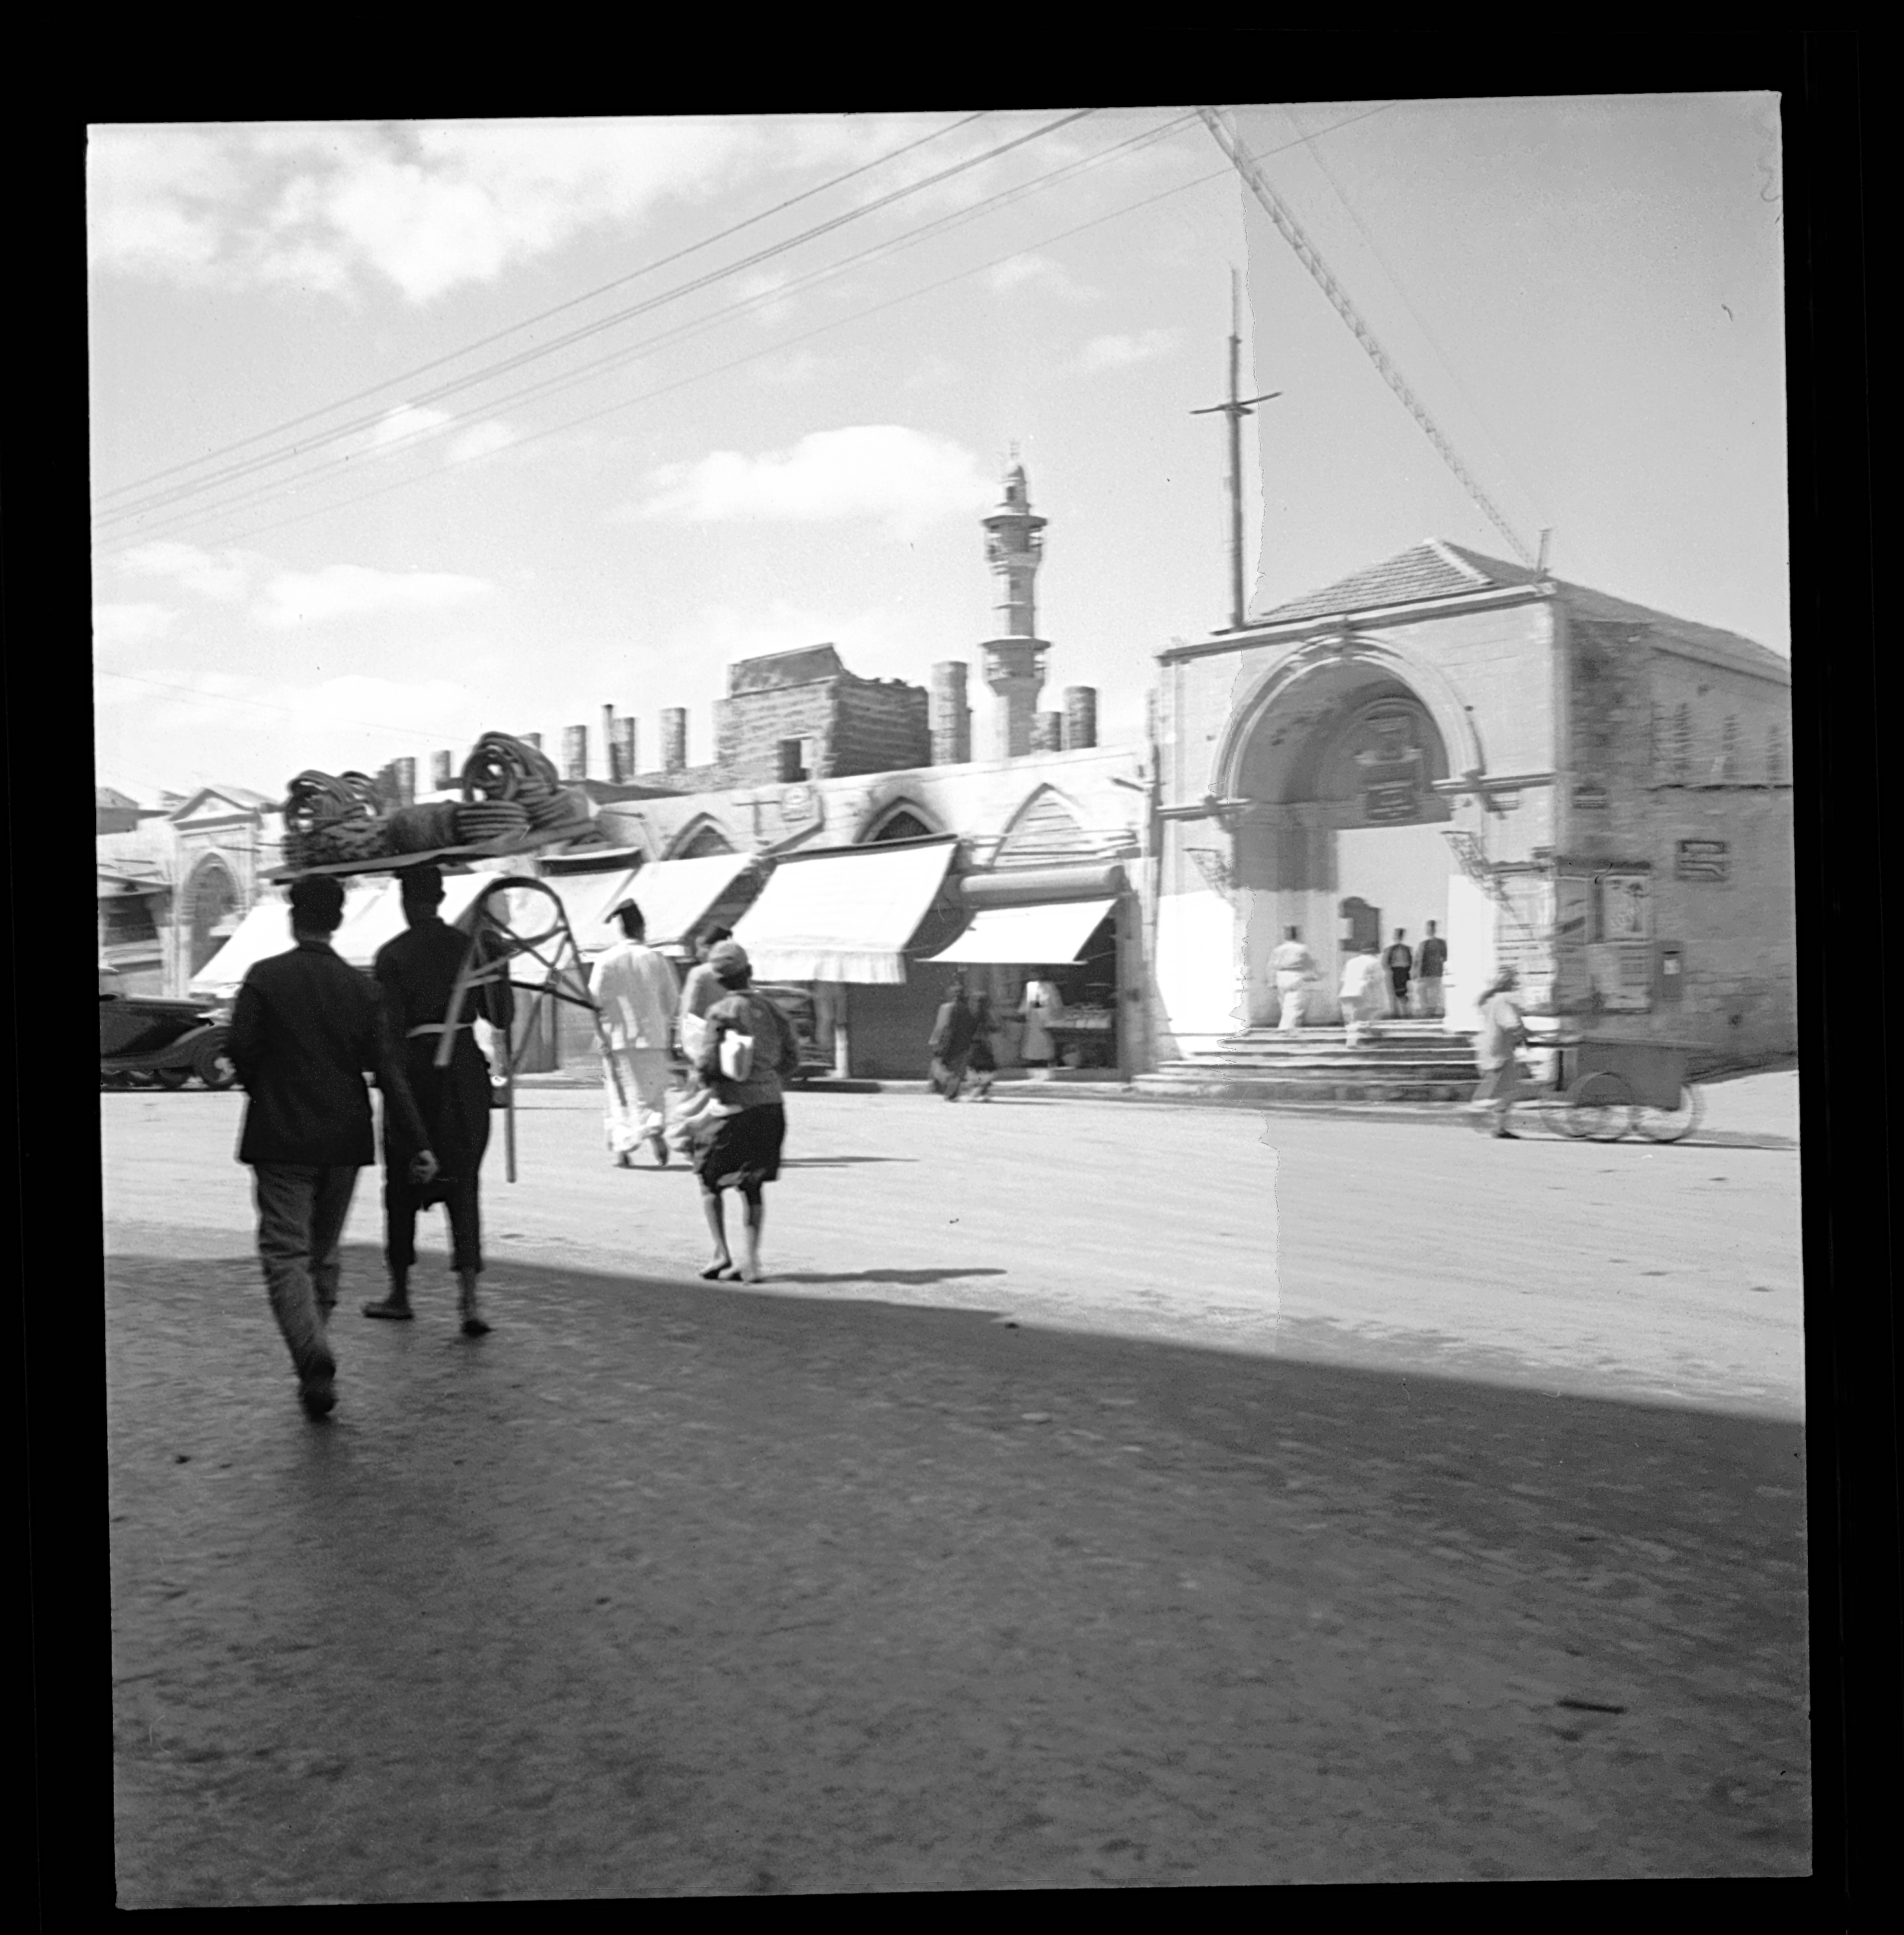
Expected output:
(1329, 173)
(1310, 257)
(269, 491)
(530, 322)
(740, 362)
(177, 493)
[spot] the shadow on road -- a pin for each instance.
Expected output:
(838, 1162)
(911, 1276)
(663, 1590)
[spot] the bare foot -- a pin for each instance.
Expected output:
(721, 1266)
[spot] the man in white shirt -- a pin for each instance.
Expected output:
(1360, 992)
(1293, 967)
(636, 989)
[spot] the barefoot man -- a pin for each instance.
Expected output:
(417, 973)
(637, 992)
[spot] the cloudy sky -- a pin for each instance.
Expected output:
(404, 432)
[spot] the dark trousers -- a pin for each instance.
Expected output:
(403, 1200)
(1398, 982)
(301, 1213)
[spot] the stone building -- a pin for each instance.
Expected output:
(1597, 792)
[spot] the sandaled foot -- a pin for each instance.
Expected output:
(390, 1309)
(473, 1326)
(720, 1267)
(624, 1160)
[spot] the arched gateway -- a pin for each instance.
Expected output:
(1327, 773)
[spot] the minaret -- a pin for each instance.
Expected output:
(1014, 661)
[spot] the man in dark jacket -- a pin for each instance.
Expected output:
(953, 1029)
(416, 974)
(305, 1027)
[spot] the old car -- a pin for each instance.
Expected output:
(145, 1042)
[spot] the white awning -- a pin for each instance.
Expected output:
(265, 930)
(1047, 936)
(842, 917)
(673, 896)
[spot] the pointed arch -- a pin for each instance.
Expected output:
(898, 817)
(702, 836)
(1047, 826)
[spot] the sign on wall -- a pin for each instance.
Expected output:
(1626, 911)
(1387, 747)
(1703, 860)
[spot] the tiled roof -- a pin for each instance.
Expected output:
(1431, 569)
(1435, 569)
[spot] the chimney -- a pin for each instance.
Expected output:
(608, 747)
(950, 715)
(404, 772)
(1080, 717)
(442, 771)
(625, 745)
(673, 738)
(575, 753)
(1048, 733)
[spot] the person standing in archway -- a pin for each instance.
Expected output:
(1400, 962)
(1431, 963)
(1043, 1008)
(1295, 969)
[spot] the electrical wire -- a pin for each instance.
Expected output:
(596, 327)
(754, 356)
(621, 358)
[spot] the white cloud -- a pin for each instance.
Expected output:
(128, 627)
(224, 576)
(294, 598)
(1036, 272)
(423, 206)
(1121, 352)
(901, 478)
(406, 421)
(480, 439)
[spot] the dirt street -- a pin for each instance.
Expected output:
(1099, 1493)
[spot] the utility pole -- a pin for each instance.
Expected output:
(1236, 409)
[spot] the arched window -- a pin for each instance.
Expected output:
(212, 901)
(902, 824)
(707, 838)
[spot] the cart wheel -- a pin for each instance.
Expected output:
(214, 1066)
(172, 1078)
(1670, 1125)
(1599, 1107)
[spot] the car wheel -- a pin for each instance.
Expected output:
(212, 1064)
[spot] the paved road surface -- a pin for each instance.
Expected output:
(1434, 1537)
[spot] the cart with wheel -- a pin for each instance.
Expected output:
(1604, 1087)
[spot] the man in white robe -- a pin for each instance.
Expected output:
(636, 990)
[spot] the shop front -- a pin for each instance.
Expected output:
(1072, 927)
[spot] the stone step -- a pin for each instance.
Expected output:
(1223, 1084)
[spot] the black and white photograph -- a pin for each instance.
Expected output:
(1246, 649)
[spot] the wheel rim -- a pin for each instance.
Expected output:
(1600, 1108)
(1670, 1125)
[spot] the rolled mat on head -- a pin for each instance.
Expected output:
(321, 799)
(504, 768)
(420, 829)
(480, 821)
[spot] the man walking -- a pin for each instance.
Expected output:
(1360, 992)
(1294, 968)
(637, 992)
(1502, 1032)
(1400, 962)
(305, 1027)
(1431, 960)
(953, 1032)
(417, 974)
